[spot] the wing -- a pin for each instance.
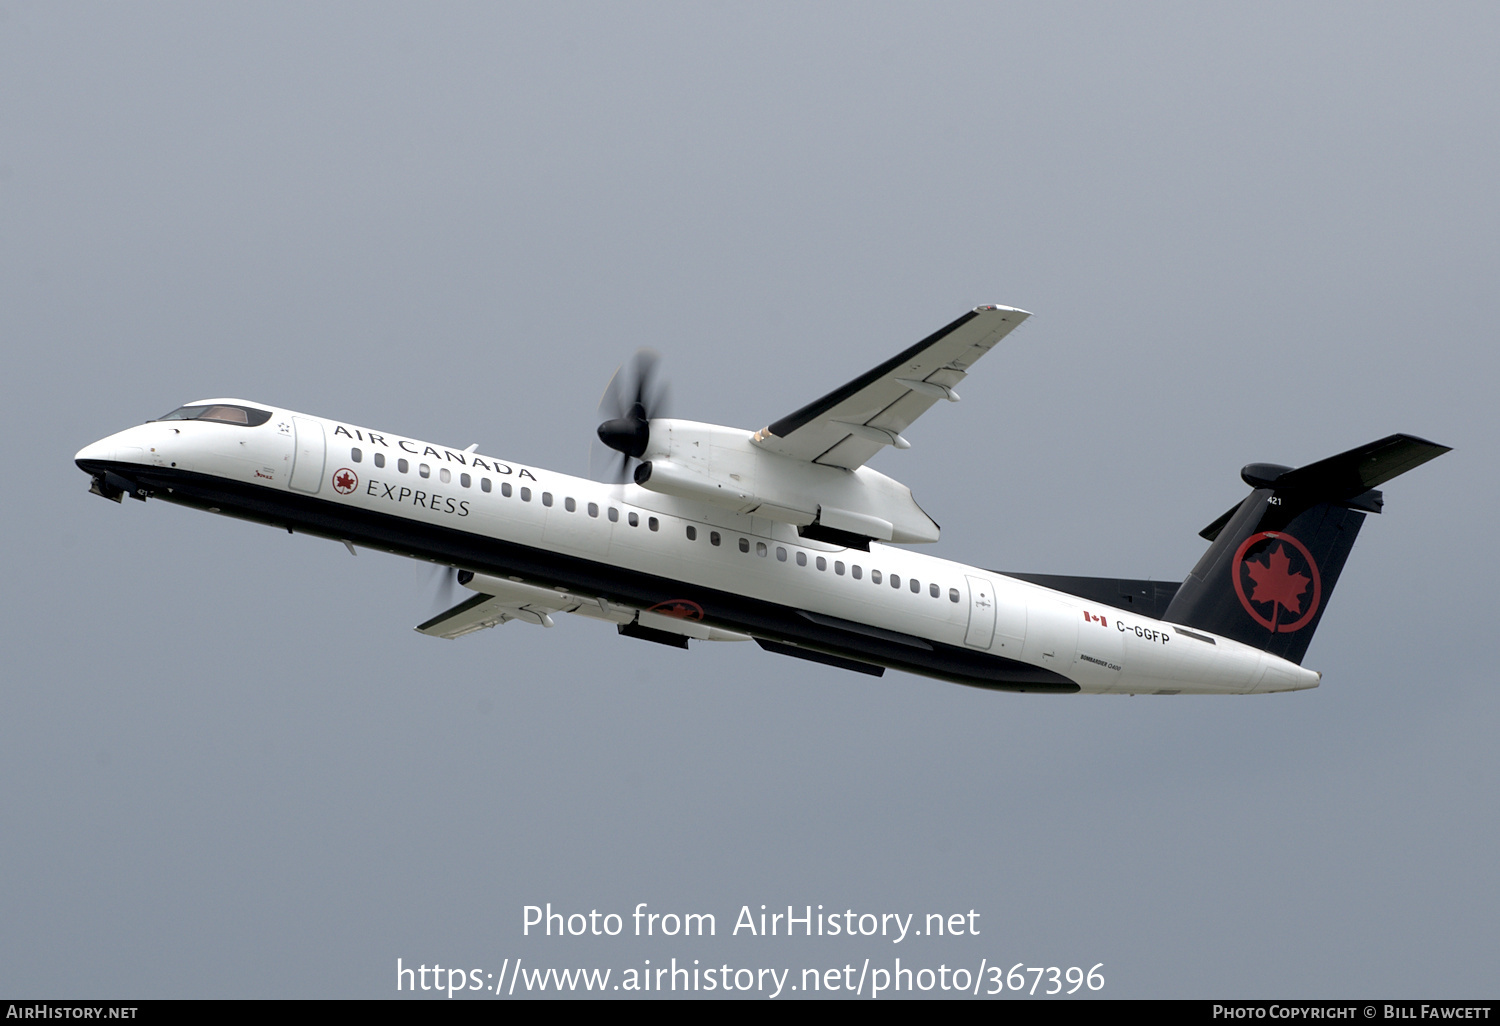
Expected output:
(479, 612)
(850, 424)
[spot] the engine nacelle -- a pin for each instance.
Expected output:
(511, 591)
(722, 466)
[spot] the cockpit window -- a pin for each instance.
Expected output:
(246, 415)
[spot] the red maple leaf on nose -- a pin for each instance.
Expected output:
(344, 482)
(1274, 581)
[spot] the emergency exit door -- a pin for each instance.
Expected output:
(981, 613)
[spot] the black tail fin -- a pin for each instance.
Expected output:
(1276, 556)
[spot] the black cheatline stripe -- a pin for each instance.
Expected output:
(820, 657)
(483, 554)
(856, 627)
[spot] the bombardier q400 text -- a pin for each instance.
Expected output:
(782, 536)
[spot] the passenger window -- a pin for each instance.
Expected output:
(653, 523)
(713, 537)
(856, 572)
(504, 487)
(525, 494)
(760, 548)
(594, 509)
(934, 590)
(801, 559)
(356, 455)
(692, 533)
(952, 594)
(445, 475)
(822, 563)
(484, 484)
(546, 498)
(464, 479)
(838, 567)
(380, 459)
(744, 544)
(570, 505)
(781, 553)
(635, 521)
(423, 470)
(916, 586)
(875, 576)
(401, 465)
(895, 580)
(614, 515)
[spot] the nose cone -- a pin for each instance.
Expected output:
(630, 434)
(120, 447)
(102, 451)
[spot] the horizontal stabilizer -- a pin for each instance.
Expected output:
(1343, 478)
(1358, 470)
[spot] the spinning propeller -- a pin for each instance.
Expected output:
(443, 582)
(634, 396)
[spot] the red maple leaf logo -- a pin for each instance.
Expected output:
(681, 609)
(1275, 582)
(344, 482)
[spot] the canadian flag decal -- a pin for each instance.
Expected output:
(1091, 618)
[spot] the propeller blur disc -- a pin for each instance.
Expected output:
(634, 396)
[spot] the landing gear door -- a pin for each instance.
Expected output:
(309, 454)
(981, 613)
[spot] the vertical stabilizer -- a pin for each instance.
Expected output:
(1276, 557)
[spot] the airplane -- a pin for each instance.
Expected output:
(781, 536)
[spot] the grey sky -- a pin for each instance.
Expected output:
(1263, 232)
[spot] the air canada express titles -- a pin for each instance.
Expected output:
(425, 498)
(417, 497)
(464, 459)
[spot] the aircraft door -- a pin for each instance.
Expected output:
(308, 455)
(1010, 621)
(1052, 634)
(981, 612)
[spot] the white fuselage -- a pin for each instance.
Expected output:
(335, 474)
